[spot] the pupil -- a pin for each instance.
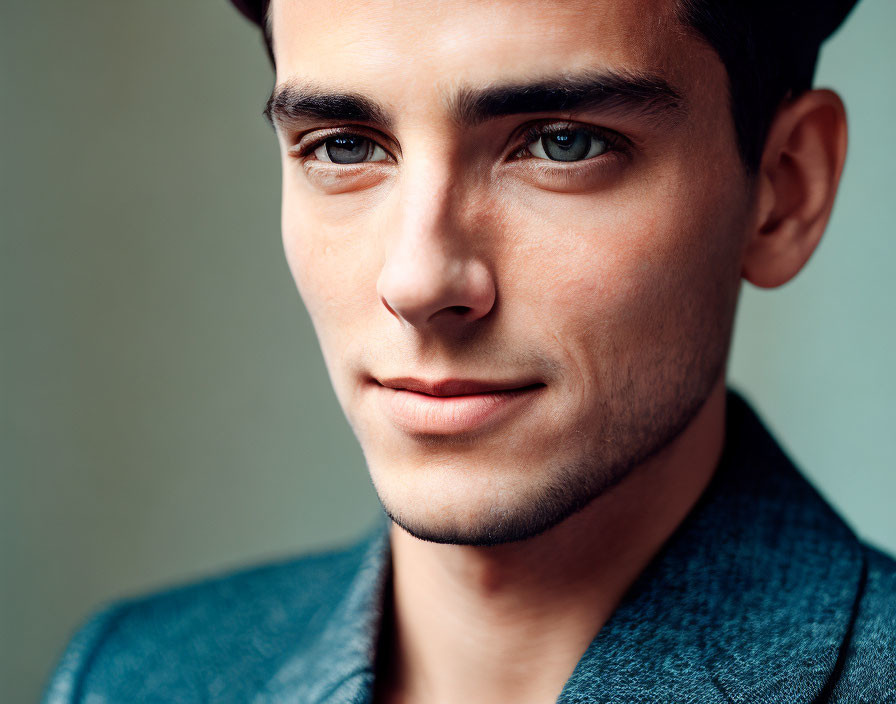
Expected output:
(567, 146)
(347, 149)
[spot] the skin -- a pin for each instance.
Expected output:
(612, 282)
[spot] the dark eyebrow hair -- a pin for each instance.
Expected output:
(292, 101)
(641, 93)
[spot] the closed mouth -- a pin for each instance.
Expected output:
(452, 407)
(457, 387)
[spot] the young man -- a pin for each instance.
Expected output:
(520, 229)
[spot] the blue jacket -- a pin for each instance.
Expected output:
(762, 595)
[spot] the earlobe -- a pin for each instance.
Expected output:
(796, 185)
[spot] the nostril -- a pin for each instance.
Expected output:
(457, 291)
(459, 310)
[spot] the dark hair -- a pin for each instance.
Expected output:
(768, 47)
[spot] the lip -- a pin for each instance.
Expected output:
(452, 406)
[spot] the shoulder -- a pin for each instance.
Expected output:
(176, 644)
(869, 663)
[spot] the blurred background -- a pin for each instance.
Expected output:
(165, 411)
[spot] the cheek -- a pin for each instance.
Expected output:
(333, 267)
(595, 264)
(630, 278)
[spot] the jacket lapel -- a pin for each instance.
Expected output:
(337, 664)
(749, 601)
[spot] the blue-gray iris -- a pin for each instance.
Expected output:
(348, 149)
(567, 146)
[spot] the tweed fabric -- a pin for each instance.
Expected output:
(763, 594)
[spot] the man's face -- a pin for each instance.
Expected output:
(484, 214)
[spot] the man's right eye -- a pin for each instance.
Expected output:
(349, 149)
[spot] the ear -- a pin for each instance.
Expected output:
(796, 185)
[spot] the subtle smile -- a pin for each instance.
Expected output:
(451, 406)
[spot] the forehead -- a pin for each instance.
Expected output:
(407, 50)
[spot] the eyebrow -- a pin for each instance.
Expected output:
(641, 94)
(293, 101)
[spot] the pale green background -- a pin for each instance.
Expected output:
(165, 411)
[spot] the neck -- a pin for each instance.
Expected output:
(510, 622)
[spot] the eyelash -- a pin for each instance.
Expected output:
(303, 152)
(615, 142)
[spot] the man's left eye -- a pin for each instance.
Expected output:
(567, 145)
(349, 149)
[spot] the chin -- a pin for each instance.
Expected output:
(469, 495)
(462, 506)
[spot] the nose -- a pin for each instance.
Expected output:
(434, 272)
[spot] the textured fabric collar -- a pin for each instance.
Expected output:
(750, 600)
(337, 667)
